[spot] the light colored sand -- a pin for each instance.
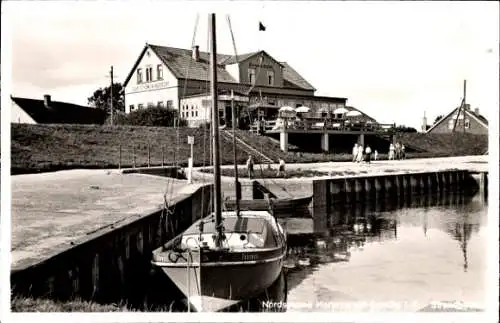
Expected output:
(51, 210)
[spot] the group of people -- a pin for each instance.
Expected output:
(250, 165)
(360, 153)
(397, 151)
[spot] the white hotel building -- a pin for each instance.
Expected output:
(179, 79)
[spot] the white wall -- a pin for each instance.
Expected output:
(234, 71)
(18, 115)
(201, 104)
(154, 91)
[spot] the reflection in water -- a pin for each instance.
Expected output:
(371, 232)
(389, 250)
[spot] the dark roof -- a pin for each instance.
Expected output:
(232, 59)
(291, 75)
(478, 116)
(60, 112)
(180, 62)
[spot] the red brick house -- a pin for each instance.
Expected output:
(469, 121)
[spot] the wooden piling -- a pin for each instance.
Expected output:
(336, 191)
(369, 188)
(359, 188)
(379, 188)
(349, 190)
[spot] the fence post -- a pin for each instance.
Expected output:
(162, 156)
(149, 154)
(120, 156)
(133, 156)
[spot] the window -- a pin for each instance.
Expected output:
(139, 75)
(182, 113)
(159, 72)
(196, 112)
(251, 75)
(140, 106)
(467, 124)
(192, 113)
(149, 74)
(160, 104)
(451, 123)
(170, 104)
(270, 78)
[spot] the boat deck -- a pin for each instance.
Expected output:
(51, 210)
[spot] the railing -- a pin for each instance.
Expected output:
(332, 124)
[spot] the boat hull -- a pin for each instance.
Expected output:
(224, 281)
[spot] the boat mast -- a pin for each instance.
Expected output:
(215, 130)
(236, 183)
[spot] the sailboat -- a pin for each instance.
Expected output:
(224, 257)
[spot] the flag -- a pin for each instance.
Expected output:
(261, 27)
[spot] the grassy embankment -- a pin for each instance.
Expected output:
(40, 148)
(21, 304)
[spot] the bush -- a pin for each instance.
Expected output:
(152, 117)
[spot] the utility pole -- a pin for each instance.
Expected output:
(465, 103)
(111, 73)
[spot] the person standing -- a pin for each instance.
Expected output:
(355, 152)
(281, 168)
(391, 151)
(368, 154)
(359, 158)
(375, 155)
(250, 166)
(403, 154)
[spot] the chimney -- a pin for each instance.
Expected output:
(196, 53)
(476, 110)
(47, 101)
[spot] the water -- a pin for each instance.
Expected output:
(389, 257)
(384, 256)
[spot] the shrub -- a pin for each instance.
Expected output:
(153, 117)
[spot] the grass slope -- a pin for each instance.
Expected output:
(40, 148)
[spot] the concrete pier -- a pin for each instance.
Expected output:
(399, 189)
(89, 234)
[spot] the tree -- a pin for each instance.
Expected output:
(439, 117)
(100, 98)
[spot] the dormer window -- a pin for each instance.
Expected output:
(251, 75)
(270, 78)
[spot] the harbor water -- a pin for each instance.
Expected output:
(382, 256)
(389, 257)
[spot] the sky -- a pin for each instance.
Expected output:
(392, 60)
